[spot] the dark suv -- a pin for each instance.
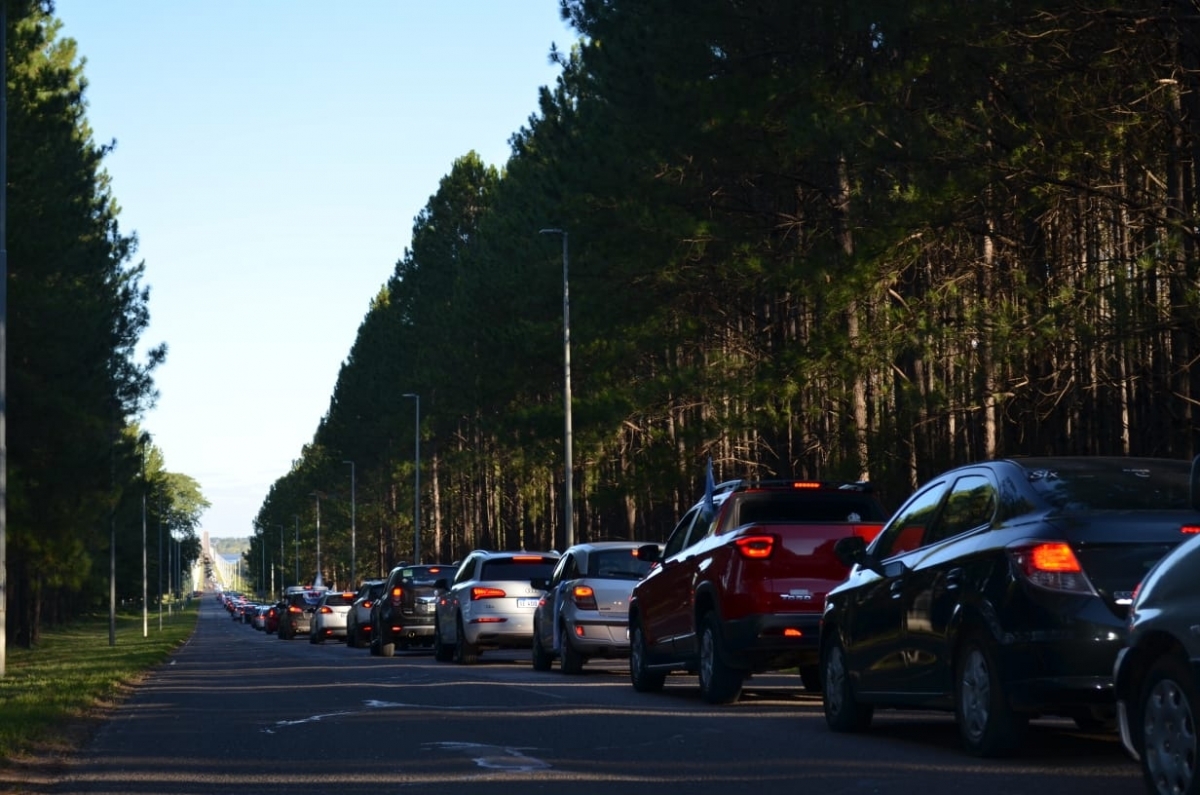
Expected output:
(298, 607)
(403, 614)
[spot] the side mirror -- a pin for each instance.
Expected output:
(649, 553)
(850, 550)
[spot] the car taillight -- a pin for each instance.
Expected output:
(486, 593)
(756, 547)
(294, 609)
(584, 597)
(326, 610)
(366, 605)
(397, 592)
(867, 531)
(1052, 566)
(1190, 529)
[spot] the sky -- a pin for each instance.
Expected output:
(271, 157)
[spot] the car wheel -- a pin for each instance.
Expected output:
(843, 713)
(315, 637)
(989, 727)
(644, 680)
(464, 653)
(442, 652)
(387, 647)
(570, 661)
(541, 659)
(352, 635)
(1170, 706)
(720, 683)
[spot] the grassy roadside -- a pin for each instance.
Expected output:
(51, 697)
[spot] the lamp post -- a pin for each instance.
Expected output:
(416, 480)
(353, 554)
(319, 580)
(568, 473)
(297, 518)
(143, 439)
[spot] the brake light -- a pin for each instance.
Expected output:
(294, 609)
(367, 604)
(756, 547)
(486, 593)
(806, 484)
(867, 531)
(527, 558)
(1190, 529)
(584, 597)
(1052, 566)
(326, 609)
(397, 592)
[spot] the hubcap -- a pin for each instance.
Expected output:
(1170, 734)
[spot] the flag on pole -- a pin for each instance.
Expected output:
(709, 487)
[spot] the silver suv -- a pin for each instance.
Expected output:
(489, 604)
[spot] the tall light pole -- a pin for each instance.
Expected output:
(568, 473)
(319, 580)
(416, 480)
(353, 554)
(297, 518)
(144, 439)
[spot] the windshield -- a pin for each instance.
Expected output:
(1110, 484)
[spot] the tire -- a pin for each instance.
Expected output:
(720, 683)
(988, 726)
(442, 652)
(843, 712)
(570, 661)
(644, 680)
(352, 640)
(315, 637)
(1165, 728)
(464, 653)
(542, 661)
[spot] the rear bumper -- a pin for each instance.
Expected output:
(772, 641)
(600, 638)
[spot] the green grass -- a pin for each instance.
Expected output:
(74, 672)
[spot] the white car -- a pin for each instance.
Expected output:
(585, 610)
(489, 604)
(329, 619)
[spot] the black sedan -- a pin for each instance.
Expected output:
(1157, 676)
(1000, 591)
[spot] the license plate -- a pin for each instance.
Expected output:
(527, 603)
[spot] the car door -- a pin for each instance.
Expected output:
(935, 582)
(874, 623)
(670, 596)
(447, 604)
(566, 571)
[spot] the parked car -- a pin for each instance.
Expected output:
(584, 612)
(259, 618)
(329, 619)
(1000, 591)
(403, 616)
(741, 582)
(358, 620)
(488, 604)
(271, 619)
(1157, 675)
(296, 617)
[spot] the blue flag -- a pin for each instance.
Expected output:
(709, 487)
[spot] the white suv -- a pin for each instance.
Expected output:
(489, 604)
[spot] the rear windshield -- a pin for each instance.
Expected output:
(525, 567)
(801, 506)
(425, 575)
(1110, 484)
(339, 599)
(617, 564)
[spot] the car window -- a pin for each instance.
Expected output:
(617, 564)
(518, 567)
(783, 506)
(906, 530)
(339, 599)
(972, 503)
(466, 571)
(558, 575)
(691, 528)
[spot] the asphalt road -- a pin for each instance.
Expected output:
(240, 712)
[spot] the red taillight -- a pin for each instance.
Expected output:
(327, 610)
(1190, 529)
(756, 547)
(1053, 566)
(367, 604)
(584, 597)
(294, 609)
(806, 484)
(867, 531)
(486, 593)
(397, 592)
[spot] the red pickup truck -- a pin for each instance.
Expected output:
(739, 586)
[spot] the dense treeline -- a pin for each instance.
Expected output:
(79, 465)
(818, 239)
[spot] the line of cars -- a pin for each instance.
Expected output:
(1001, 592)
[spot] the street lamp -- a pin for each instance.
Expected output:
(353, 560)
(319, 581)
(297, 518)
(568, 473)
(416, 481)
(143, 439)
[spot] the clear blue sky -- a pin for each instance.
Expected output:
(271, 157)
